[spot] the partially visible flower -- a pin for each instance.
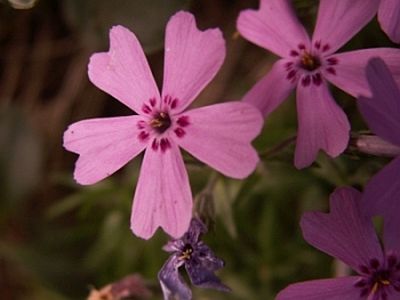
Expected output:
(129, 287)
(197, 258)
(309, 64)
(381, 111)
(220, 135)
(345, 233)
(389, 18)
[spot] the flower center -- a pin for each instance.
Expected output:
(378, 281)
(186, 253)
(161, 122)
(309, 62)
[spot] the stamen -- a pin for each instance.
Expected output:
(379, 278)
(385, 282)
(309, 62)
(161, 122)
(374, 288)
(186, 253)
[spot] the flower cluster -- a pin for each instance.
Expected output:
(307, 64)
(220, 135)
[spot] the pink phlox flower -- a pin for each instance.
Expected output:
(219, 135)
(381, 111)
(348, 235)
(389, 18)
(309, 64)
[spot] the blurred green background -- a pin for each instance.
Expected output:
(58, 239)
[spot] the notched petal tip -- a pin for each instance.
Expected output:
(344, 232)
(115, 29)
(192, 58)
(187, 17)
(144, 234)
(82, 179)
(67, 137)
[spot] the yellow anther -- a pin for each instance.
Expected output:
(156, 123)
(374, 288)
(307, 60)
(186, 254)
(385, 282)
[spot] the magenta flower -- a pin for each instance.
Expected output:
(382, 114)
(199, 261)
(218, 135)
(308, 64)
(350, 236)
(389, 18)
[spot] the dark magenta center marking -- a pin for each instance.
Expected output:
(379, 280)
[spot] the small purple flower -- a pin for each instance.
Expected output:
(381, 111)
(199, 261)
(348, 235)
(308, 64)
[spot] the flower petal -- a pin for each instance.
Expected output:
(327, 289)
(274, 27)
(322, 125)
(201, 270)
(172, 283)
(192, 58)
(196, 229)
(123, 71)
(389, 18)
(344, 233)
(268, 93)
(191, 237)
(207, 257)
(382, 110)
(350, 70)
(163, 196)
(339, 20)
(381, 197)
(220, 135)
(104, 146)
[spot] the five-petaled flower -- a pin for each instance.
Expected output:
(219, 135)
(381, 111)
(348, 235)
(197, 258)
(309, 63)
